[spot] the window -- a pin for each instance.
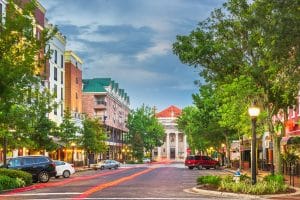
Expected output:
(76, 64)
(55, 56)
(41, 160)
(76, 95)
(62, 61)
(55, 73)
(38, 35)
(55, 90)
(62, 77)
(76, 80)
(1, 10)
(62, 110)
(62, 93)
(55, 111)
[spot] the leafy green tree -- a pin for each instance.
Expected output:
(68, 129)
(42, 129)
(93, 136)
(145, 132)
(21, 56)
(249, 38)
(189, 124)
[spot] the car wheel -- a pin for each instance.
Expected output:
(199, 167)
(43, 177)
(66, 174)
(116, 167)
(207, 167)
(102, 167)
(191, 167)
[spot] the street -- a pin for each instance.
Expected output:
(147, 181)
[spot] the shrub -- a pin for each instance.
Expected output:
(271, 185)
(274, 178)
(8, 182)
(26, 177)
(210, 180)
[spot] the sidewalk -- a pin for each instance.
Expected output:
(262, 174)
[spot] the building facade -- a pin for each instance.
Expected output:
(56, 74)
(3, 9)
(103, 99)
(175, 143)
(73, 86)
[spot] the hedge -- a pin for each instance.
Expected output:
(26, 177)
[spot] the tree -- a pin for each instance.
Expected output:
(189, 124)
(249, 38)
(21, 55)
(145, 132)
(93, 136)
(41, 129)
(68, 129)
(153, 137)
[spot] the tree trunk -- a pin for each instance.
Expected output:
(227, 157)
(276, 155)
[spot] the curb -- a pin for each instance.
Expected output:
(196, 190)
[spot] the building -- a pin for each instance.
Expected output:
(175, 142)
(2, 9)
(73, 86)
(56, 74)
(103, 99)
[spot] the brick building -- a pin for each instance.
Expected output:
(102, 98)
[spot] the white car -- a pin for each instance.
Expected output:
(106, 164)
(63, 169)
(146, 160)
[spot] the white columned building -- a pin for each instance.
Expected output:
(175, 144)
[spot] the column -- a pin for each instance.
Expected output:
(168, 146)
(158, 153)
(176, 146)
(184, 146)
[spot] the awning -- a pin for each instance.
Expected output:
(290, 140)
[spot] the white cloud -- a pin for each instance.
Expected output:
(160, 48)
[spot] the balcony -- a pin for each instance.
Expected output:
(101, 105)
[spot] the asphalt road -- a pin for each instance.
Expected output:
(155, 181)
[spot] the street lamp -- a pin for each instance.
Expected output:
(253, 112)
(223, 154)
(73, 149)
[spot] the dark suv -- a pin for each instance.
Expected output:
(41, 167)
(201, 162)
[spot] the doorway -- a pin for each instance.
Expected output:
(172, 153)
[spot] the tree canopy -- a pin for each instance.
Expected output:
(145, 132)
(248, 51)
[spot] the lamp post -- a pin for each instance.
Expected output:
(253, 112)
(223, 154)
(73, 150)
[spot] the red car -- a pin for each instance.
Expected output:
(201, 162)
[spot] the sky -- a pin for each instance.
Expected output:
(130, 41)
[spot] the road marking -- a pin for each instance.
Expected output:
(128, 198)
(39, 194)
(110, 184)
(64, 182)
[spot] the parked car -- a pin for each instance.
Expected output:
(146, 160)
(106, 164)
(41, 167)
(199, 162)
(63, 169)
